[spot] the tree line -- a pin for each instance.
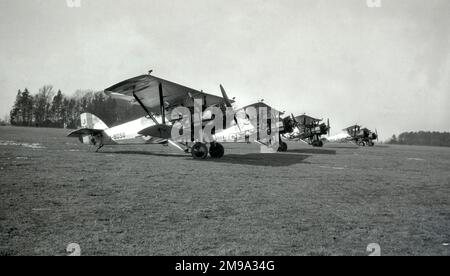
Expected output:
(48, 108)
(4, 121)
(422, 138)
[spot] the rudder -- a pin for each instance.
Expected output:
(90, 121)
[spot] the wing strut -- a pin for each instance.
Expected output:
(161, 104)
(145, 108)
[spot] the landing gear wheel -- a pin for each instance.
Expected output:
(216, 150)
(371, 144)
(317, 144)
(362, 144)
(283, 147)
(199, 151)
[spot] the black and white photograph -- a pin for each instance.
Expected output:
(239, 131)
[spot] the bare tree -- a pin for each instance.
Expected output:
(43, 103)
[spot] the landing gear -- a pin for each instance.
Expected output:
(216, 150)
(283, 147)
(97, 140)
(362, 143)
(199, 151)
(370, 144)
(99, 147)
(317, 144)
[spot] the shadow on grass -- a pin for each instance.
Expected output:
(313, 151)
(342, 147)
(263, 159)
(147, 153)
(356, 147)
(254, 159)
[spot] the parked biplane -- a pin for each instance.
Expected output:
(307, 129)
(356, 134)
(177, 115)
(361, 136)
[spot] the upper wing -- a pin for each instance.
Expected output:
(307, 120)
(352, 127)
(146, 88)
(259, 105)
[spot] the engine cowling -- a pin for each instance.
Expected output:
(288, 125)
(323, 129)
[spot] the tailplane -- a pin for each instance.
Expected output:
(91, 131)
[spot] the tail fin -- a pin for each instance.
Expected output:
(90, 121)
(91, 132)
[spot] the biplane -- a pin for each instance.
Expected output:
(361, 136)
(178, 115)
(307, 129)
(268, 125)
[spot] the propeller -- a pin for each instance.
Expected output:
(329, 127)
(227, 101)
(297, 123)
(378, 137)
(293, 119)
(225, 97)
(356, 130)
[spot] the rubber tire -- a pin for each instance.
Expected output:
(319, 144)
(216, 150)
(199, 151)
(283, 147)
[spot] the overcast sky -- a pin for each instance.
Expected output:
(385, 68)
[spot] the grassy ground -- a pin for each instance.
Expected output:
(154, 200)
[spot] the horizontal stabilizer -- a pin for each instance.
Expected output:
(161, 131)
(85, 131)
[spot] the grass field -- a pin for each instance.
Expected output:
(154, 200)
